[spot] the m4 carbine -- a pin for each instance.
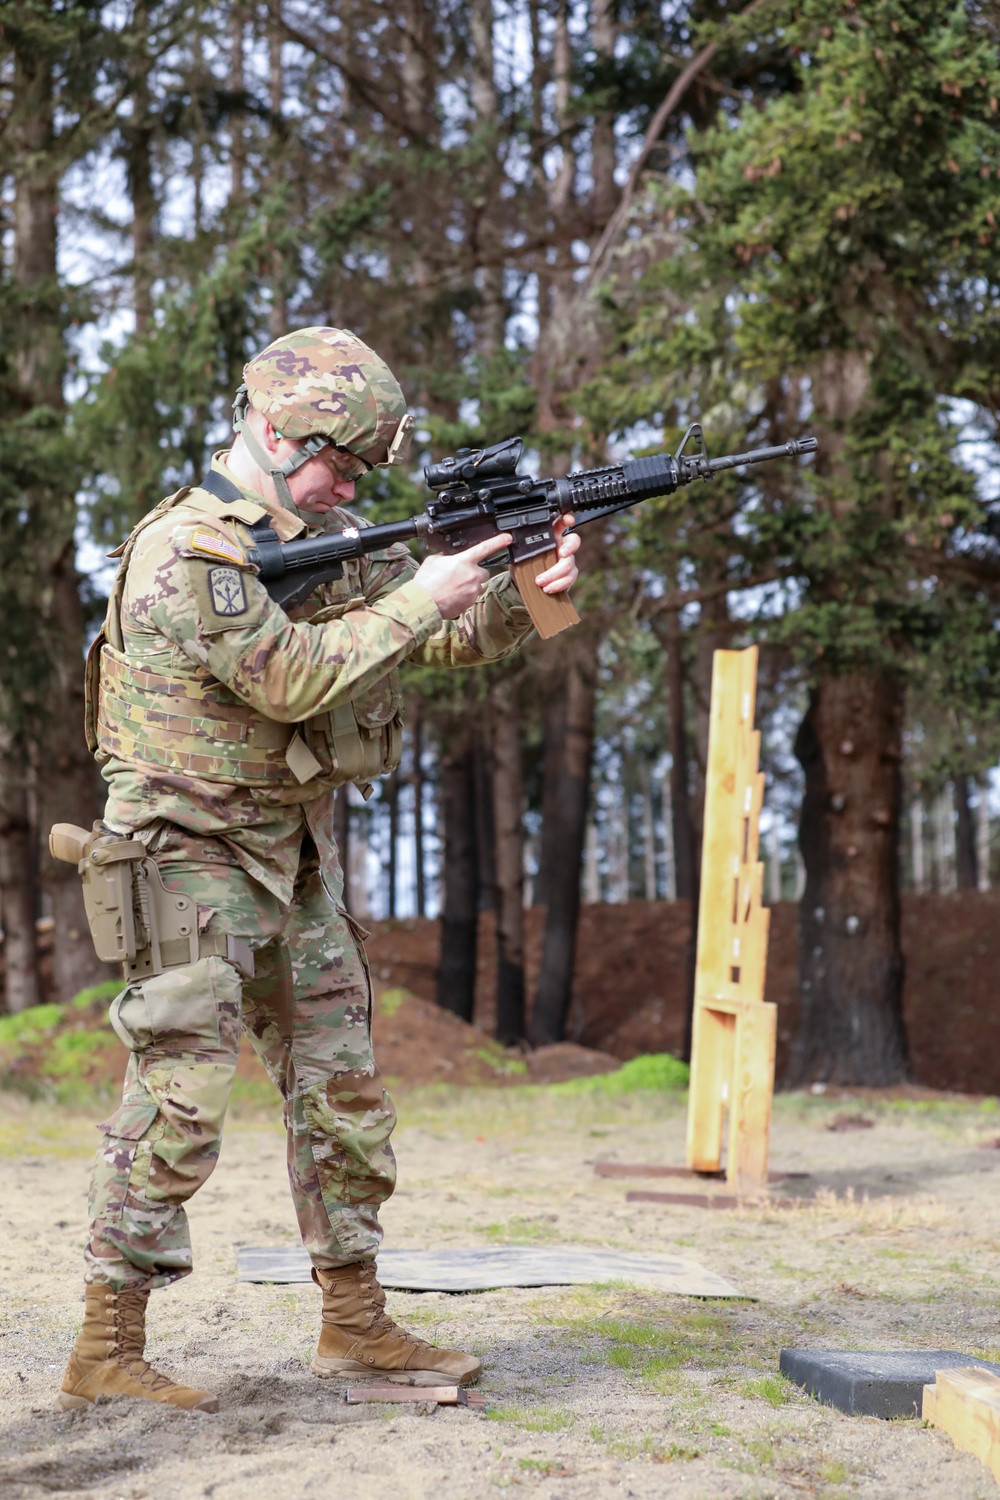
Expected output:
(478, 493)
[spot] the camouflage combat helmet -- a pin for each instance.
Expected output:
(325, 386)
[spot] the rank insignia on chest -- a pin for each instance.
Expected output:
(228, 595)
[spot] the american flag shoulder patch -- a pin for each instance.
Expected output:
(212, 545)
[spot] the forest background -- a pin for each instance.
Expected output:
(590, 222)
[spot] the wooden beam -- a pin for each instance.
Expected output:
(966, 1405)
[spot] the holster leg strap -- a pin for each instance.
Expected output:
(174, 954)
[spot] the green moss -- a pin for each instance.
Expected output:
(73, 1051)
(29, 1025)
(107, 990)
(391, 1000)
(657, 1070)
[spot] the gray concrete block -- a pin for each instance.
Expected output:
(882, 1383)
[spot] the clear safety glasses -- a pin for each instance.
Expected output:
(360, 465)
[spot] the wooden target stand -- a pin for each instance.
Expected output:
(735, 1028)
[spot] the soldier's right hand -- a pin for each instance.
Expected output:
(455, 583)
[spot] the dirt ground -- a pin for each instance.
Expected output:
(593, 1392)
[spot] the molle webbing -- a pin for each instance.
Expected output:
(186, 723)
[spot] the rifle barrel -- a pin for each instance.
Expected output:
(761, 455)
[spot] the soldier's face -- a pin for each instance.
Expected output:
(319, 485)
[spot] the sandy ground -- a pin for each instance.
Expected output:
(593, 1391)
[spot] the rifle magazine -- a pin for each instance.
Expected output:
(550, 613)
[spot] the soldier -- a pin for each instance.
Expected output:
(222, 725)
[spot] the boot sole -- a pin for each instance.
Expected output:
(66, 1402)
(327, 1369)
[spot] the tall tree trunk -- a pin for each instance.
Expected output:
(237, 115)
(508, 812)
(486, 844)
(713, 633)
(392, 801)
(278, 315)
(917, 845)
(851, 965)
(606, 192)
(569, 807)
(487, 243)
(682, 822)
(553, 754)
(669, 861)
(418, 809)
(137, 134)
(68, 786)
(983, 836)
(648, 833)
(456, 980)
(66, 778)
(18, 883)
(965, 859)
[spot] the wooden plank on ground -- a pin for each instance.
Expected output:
(966, 1405)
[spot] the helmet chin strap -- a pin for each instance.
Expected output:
(278, 473)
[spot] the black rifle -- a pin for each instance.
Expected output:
(478, 493)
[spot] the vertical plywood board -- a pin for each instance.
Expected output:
(752, 1091)
(714, 1045)
(737, 1075)
(720, 833)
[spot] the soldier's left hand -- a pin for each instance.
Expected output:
(564, 572)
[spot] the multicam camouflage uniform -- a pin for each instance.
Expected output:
(222, 725)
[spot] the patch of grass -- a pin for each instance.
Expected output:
(659, 1070)
(835, 1471)
(774, 1389)
(545, 1468)
(533, 1418)
(656, 1351)
(521, 1230)
(494, 1056)
(653, 1448)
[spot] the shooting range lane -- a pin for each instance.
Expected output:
(573, 1389)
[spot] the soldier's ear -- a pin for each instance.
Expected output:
(272, 438)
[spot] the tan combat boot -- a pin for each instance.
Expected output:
(107, 1357)
(358, 1336)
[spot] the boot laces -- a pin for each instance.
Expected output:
(382, 1323)
(130, 1339)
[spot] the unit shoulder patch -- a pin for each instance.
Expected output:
(227, 592)
(210, 544)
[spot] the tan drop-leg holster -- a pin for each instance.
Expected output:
(134, 920)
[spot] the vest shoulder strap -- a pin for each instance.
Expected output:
(215, 501)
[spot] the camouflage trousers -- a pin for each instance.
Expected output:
(307, 1013)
